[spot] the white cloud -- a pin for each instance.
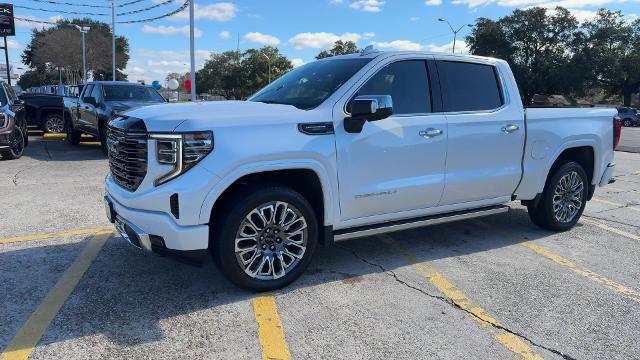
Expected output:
(262, 39)
(170, 30)
(13, 44)
(321, 40)
(173, 54)
(461, 47)
(368, 5)
(403, 45)
(336, 2)
(368, 35)
(30, 25)
(433, 2)
(224, 35)
(297, 62)
(223, 11)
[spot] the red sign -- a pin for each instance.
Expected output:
(187, 85)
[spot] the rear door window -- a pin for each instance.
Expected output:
(469, 86)
(87, 92)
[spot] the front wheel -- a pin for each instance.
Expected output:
(16, 145)
(73, 135)
(267, 238)
(102, 130)
(563, 199)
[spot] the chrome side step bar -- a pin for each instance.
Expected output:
(407, 224)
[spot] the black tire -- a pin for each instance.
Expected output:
(17, 145)
(53, 124)
(626, 123)
(544, 215)
(102, 130)
(73, 135)
(228, 227)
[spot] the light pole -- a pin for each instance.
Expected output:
(113, 38)
(192, 49)
(455, 32)
(269, 63)
(83, 30)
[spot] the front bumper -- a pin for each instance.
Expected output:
(151, 230)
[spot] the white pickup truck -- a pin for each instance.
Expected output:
(346, 147)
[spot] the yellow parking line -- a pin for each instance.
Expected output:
(270, 331)
(29, 335)
(54, 136)
(616, 204)
(440, 282)
(597, 278)
(56, 234)
(611, 229)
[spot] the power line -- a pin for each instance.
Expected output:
(180, 9)
(130, 3)
(145, 9)
(53, 2)
(59, 11)
(34, 21)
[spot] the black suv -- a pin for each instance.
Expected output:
(13, 125)
(629, 116)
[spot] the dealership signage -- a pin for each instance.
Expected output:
(7, 23)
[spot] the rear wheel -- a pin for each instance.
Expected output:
(626, 122)
(563, 199)
(267, 239)
(53, 124)
(16, 145)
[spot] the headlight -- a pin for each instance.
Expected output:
(182, 151)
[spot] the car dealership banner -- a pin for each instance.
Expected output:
(7, 23)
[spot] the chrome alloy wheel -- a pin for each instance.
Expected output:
(271, 240)
(54, 125)
(568, 197)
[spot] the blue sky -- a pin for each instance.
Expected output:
(299, 28)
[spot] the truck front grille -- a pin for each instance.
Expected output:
(127, 157)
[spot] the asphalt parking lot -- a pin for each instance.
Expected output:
(497, 288)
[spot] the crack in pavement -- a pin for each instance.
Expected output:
(452, 303)
(610, 220)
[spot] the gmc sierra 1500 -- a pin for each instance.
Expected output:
(345, 147)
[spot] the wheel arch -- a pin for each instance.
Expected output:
(307, 177)
(584, 154)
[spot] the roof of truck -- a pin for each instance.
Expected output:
(373, 53)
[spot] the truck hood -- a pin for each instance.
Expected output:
(128, 105)
(209, 115)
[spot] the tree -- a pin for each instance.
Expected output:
(339, 48)
(61, 46)
(612, 47)
(34, 78)
(235, 75)
(538, 47)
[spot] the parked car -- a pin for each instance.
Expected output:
(344, 147)
(629, 116)
(44, 111)
(13, 125)
(100, 101)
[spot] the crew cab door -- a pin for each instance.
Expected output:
(393, 165)
(88, 112)
(486, 133)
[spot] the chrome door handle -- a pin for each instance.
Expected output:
(510, 128)
(430, 133)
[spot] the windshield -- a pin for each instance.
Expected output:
(131, 93)
(309, 85)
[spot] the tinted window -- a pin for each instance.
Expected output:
(407, 83)
(131, 93)
(469, 87)
(87, 93)
(309, 85)
(3, 96)
(96, 93)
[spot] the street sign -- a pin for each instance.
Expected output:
(7, 23)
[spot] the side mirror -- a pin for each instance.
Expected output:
(368, 108)
(90, 100)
